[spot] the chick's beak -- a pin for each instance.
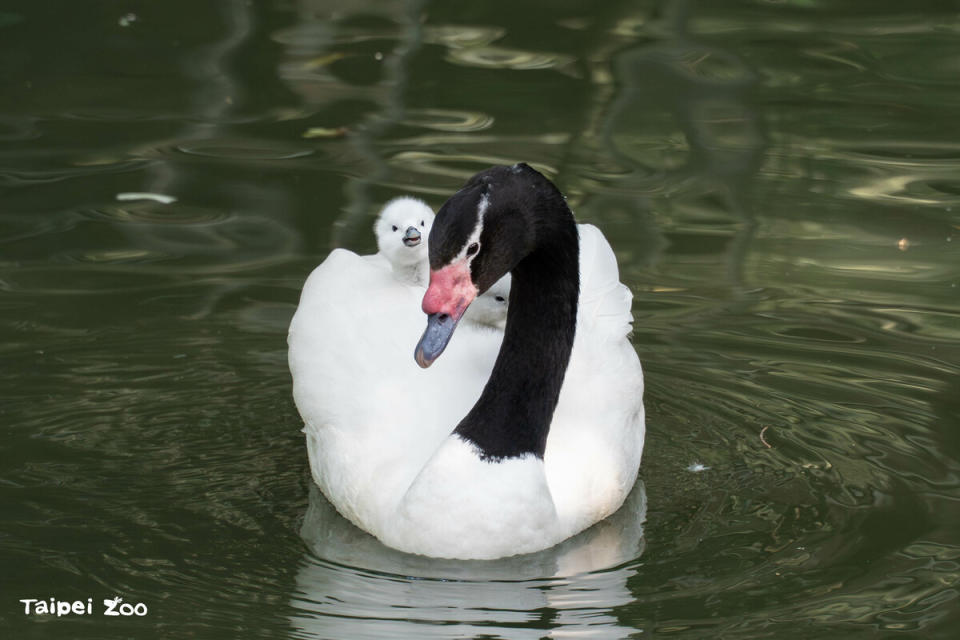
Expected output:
(411, 237)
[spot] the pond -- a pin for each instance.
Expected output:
(780, 181)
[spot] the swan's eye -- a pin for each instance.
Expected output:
(394, 227)
(498, 298)
(421, 223)
(472, 249)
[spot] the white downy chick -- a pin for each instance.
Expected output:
(490, 309)
(402, 229)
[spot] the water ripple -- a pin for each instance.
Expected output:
(462, 36)
(18, 129)
(151, 212)
(448, 120)
(243, 150)
(491, 57)
(458, 166)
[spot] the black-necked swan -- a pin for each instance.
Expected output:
(496, 449)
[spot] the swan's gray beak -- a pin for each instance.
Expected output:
(435, 337)
(412, 237)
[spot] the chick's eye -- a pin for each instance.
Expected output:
(472, 249)
(394, 227)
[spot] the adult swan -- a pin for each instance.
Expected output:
(552, 442)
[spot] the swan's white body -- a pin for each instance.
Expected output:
(379, 429)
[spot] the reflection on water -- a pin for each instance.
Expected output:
(778, 180)
(574, 585)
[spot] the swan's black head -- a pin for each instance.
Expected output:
(499, 217)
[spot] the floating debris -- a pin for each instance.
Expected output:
(127, 20)
(696, 467)
(156, 197)
(903, 244)
(764, 440)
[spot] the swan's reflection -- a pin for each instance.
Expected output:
(352, 586)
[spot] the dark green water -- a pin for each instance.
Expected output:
(780, 181)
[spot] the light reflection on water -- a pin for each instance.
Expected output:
(779, 185)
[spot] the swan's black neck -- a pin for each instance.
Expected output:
(513, 415)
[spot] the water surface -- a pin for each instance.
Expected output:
(779, 181)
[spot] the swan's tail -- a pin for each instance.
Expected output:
(605, 303)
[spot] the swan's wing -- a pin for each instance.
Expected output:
(353, 331)
(372, 416)
(355, 382)
(605, 303)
